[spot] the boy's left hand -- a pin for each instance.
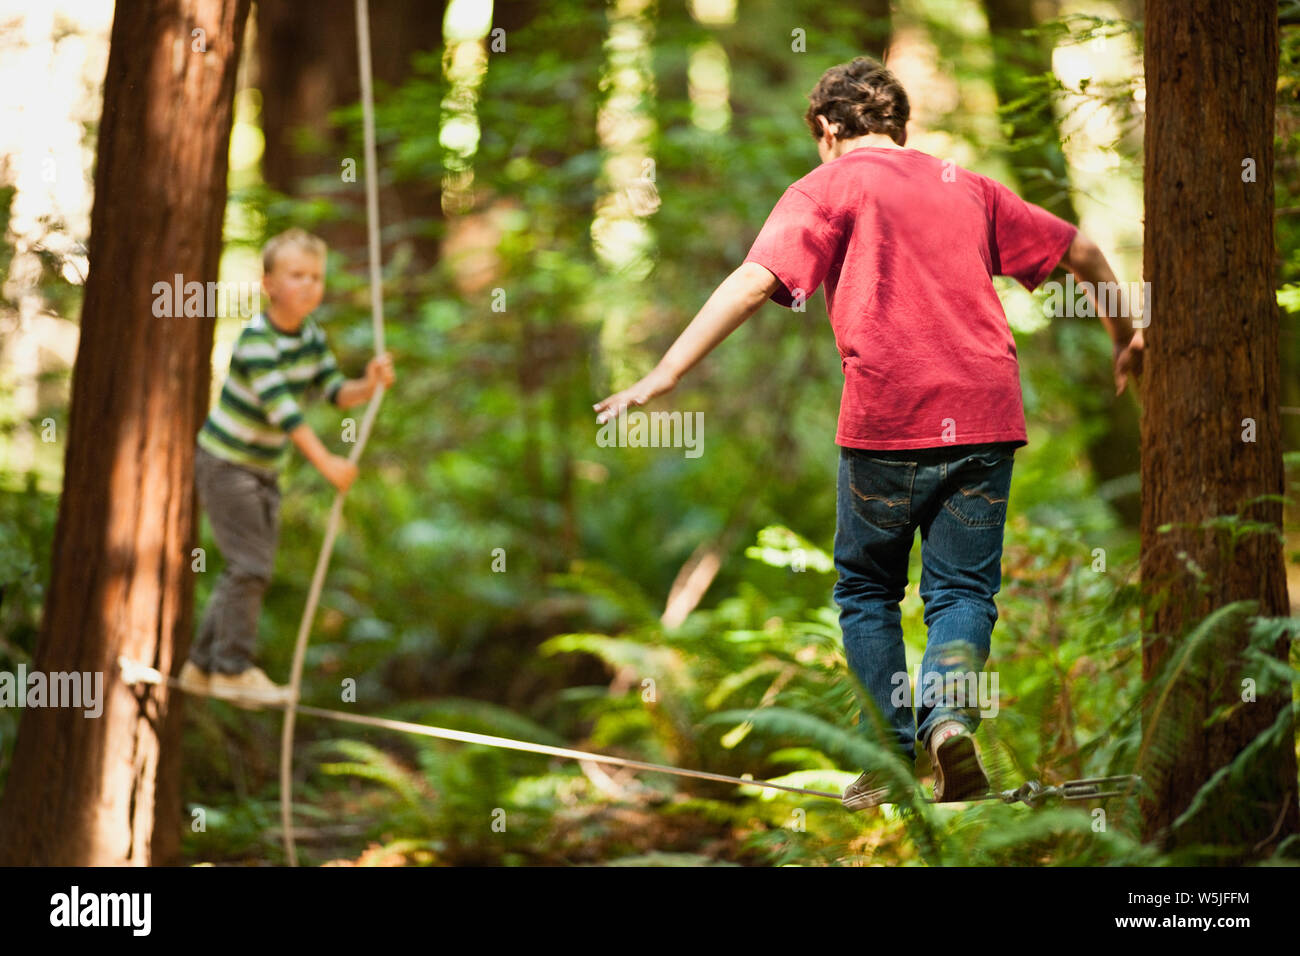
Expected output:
(379, 370)
(656, 383)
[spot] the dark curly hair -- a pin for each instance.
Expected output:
(862, 97)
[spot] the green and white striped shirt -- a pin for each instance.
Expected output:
(270, 370)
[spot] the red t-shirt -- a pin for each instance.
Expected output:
(907, 246)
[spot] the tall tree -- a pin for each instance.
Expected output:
(1022, 55)
(1286, 175)
(307, 68)
(104, 791)
(1210, 426)
(551, 124)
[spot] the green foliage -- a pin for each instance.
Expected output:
(666, 859)
(240, 831)
(27, 518)
(458, 803)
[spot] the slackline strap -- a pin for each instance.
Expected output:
(1030, 793)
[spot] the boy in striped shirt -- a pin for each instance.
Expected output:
(280, 355)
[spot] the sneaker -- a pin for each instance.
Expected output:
(871, 789)
(958, 773)
(193, 679)
(248, 689)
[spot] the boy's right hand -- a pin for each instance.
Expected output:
(1128, 359)
(339, 472)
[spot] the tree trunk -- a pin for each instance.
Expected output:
(85, 791)
(548, 344)
(307, 67)
(1212, 371)
(1034, 145)
(1034, 141)
(867, 26)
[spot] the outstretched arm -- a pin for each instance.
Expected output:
(735, 300)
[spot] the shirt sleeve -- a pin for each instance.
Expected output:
(1027, 240)
(259, 359)
(328, 375)
(797, 244)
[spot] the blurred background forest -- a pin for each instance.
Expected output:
(603, 173)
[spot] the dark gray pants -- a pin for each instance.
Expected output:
(243, 507)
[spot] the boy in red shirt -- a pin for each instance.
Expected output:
(906, 245)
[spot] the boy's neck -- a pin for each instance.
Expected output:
(870, 141)
(277, 322)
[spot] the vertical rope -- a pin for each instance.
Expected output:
(336, 513)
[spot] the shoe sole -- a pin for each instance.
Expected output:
(957, 771)
(865, 801)
(247, 699)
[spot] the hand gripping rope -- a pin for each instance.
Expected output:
(1030, 793)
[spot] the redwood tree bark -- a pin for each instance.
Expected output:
(1212, 364)
(87, 791)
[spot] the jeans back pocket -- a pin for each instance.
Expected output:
(882, 490)
(981, 485)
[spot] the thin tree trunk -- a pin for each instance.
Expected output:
(1034, 143)
(88, 791)
(549, 344)
(1034, 140)
(307, 67)
(1212, 370)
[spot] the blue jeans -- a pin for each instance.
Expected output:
(957, 496)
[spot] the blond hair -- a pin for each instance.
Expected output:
(295, 237)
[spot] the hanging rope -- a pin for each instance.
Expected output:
(336, 513)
